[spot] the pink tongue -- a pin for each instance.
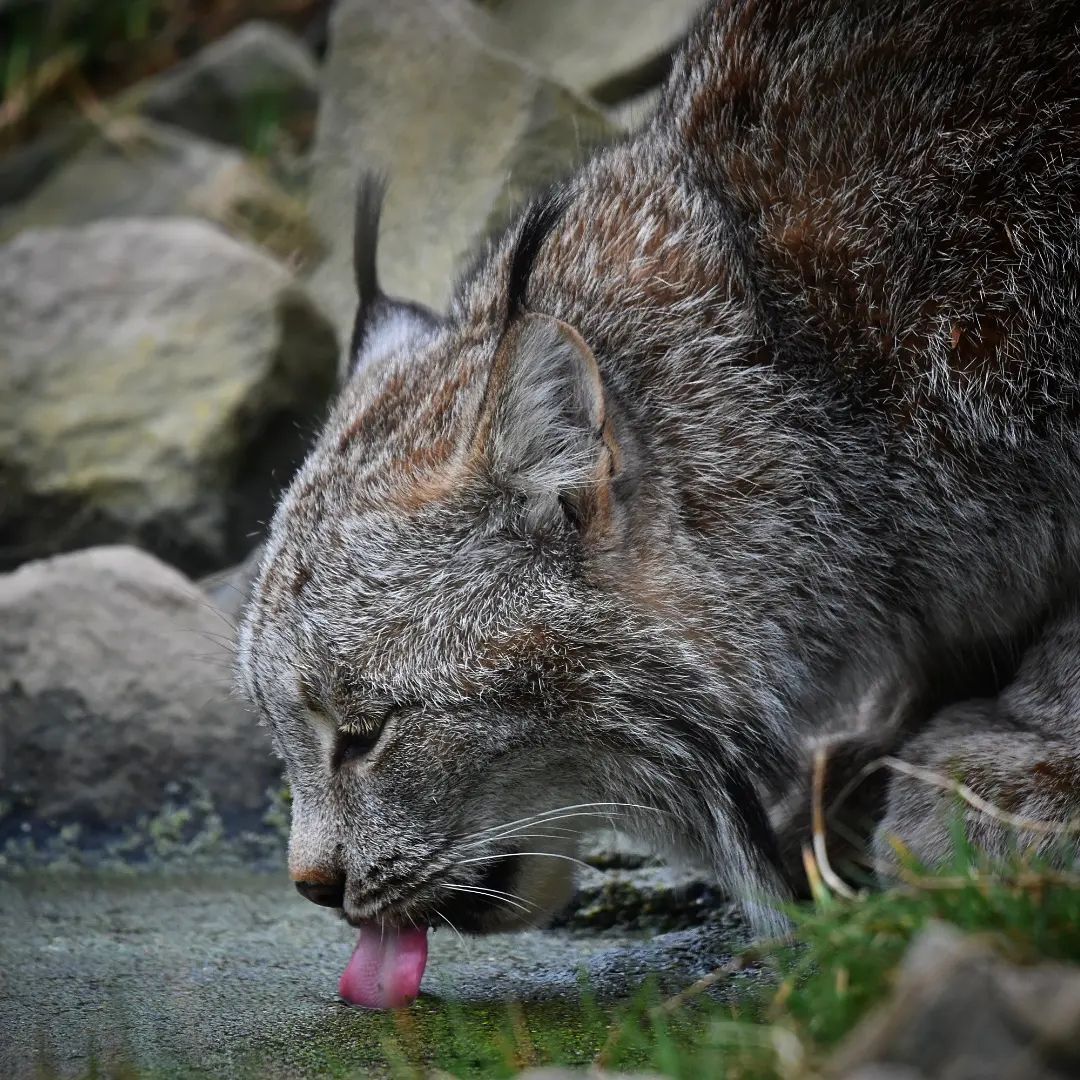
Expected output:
(385, 969)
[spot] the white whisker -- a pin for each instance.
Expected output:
(560, 813)
(562, 834)
(490, 891)
(559, 810)
(515, 854)
(490, 894)
(461, 936)
(499, 834)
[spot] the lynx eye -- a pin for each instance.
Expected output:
(355, 741)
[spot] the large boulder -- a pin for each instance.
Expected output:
(416, 90)
(605, 51)
(245, 89)
(961, 1009)
(158, 381)
(137, 168)
(114, 692)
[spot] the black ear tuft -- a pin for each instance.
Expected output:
(541, 217)
(383, 324)
(370, 193)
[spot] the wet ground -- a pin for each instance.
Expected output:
(232, 973)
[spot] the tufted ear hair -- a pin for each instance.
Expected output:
(383, 324)
(545, 430)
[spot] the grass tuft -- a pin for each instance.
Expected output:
(848, 952)
(809, 992)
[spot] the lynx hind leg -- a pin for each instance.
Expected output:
(1020, 752)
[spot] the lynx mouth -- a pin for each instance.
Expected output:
(388, 962)
(468, 906)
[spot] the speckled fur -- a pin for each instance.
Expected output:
(788, 420)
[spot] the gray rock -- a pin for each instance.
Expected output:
(256, 88)
(244, 90)
(649, 897)
(23, 168)
(606, 51)
(114, 685)
(960, 1011)
(415, 90)
(155, 376)
(137, 168)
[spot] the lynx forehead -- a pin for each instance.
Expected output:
(769, 411)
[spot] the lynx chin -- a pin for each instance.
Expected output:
(759, 433)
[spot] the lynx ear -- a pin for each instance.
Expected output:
(545, 429)
(383, 324)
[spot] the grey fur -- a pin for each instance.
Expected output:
(784, 422)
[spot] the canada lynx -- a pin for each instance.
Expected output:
(769, 411)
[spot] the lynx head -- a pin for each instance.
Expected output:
(454, 681)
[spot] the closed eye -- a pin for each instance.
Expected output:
(354, 743)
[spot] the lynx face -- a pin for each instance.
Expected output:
(417, 668)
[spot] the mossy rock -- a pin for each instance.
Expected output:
(156, 378)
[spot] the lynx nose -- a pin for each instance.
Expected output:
(326, 893)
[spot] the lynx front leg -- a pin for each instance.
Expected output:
(1022, 776)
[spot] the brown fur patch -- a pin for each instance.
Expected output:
(300, 579)
(390, 396)
(1059, 778)
(314, 876)
(423, 482)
